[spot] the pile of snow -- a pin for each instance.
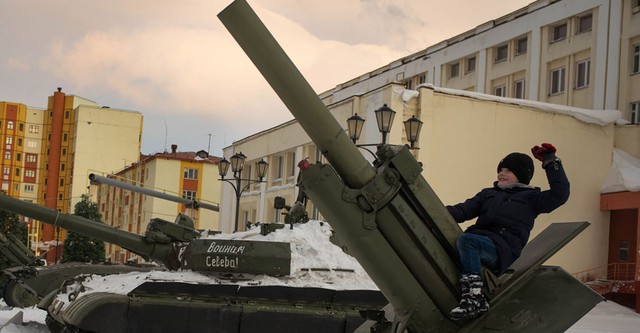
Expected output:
(311, 249)
(624, 174)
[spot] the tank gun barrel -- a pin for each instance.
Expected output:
(112, 182)
(133, 242)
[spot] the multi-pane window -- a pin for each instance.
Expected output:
(471, 64)
(502, 52)
(7, 155)
(585, 23)
(30, 158)
(635, 112)
(582, 74)
(29, 173)
(32, 144)
(34, 129)
(9, 124)
(556, 86)
(500, 91)
(559, 32)
(9, 140)
(190, 173)
(191, 195)
(454, 70)
(635, 68)
(28, 187)
(521, 46)
(422, 78)
(518, 89)
(6, 170)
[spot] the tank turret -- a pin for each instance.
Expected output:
(387, 213)
(174, 244)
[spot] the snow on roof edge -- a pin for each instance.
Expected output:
(598, 117)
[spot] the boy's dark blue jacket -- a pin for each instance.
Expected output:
(507, 215)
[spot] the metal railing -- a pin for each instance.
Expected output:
(618, 271)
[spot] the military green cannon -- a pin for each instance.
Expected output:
(394, 224)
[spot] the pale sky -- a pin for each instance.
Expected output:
(176, 63)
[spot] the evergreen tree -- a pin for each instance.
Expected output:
(81, 248)
(10, 224)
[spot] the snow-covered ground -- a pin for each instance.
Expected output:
(310, 248)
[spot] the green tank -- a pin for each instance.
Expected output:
(233, 291)
(30, 280)
(393, 223)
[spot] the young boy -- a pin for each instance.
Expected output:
(505, 213)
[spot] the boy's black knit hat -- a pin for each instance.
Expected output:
(520, 164)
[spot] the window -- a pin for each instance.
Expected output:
(521, 46)
(559, 32)
(62, 167)
(276, 214)
(582, 74)
(18, 157)
(17, 172)
(64, 136)
(280, 167)
(64, 151)
(518, 89)
(9, 140)
(6, 170)
(636, 59)
(60, 197)
(471, 64)
(61, 183)
(66, 115)
(190, 173)
(19, 142)
(29, 173)
(7, 155)
(34, 129)
(557, 81)
(28, 188)
(422, 78)
(454, 70)
(32, 144)
(30, 158)
(623, 251)
(635, 112)
(9, 124)
(21, 127)
(502, 52)
(191, 195)
(408, 84)
(585, 23)
(500, 91)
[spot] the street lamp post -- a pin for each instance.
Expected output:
(237, 165)
(384, 118)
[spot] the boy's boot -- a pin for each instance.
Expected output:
(473, 302)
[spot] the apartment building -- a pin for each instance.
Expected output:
(583, 53)
(190, 175)
(21, 134)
